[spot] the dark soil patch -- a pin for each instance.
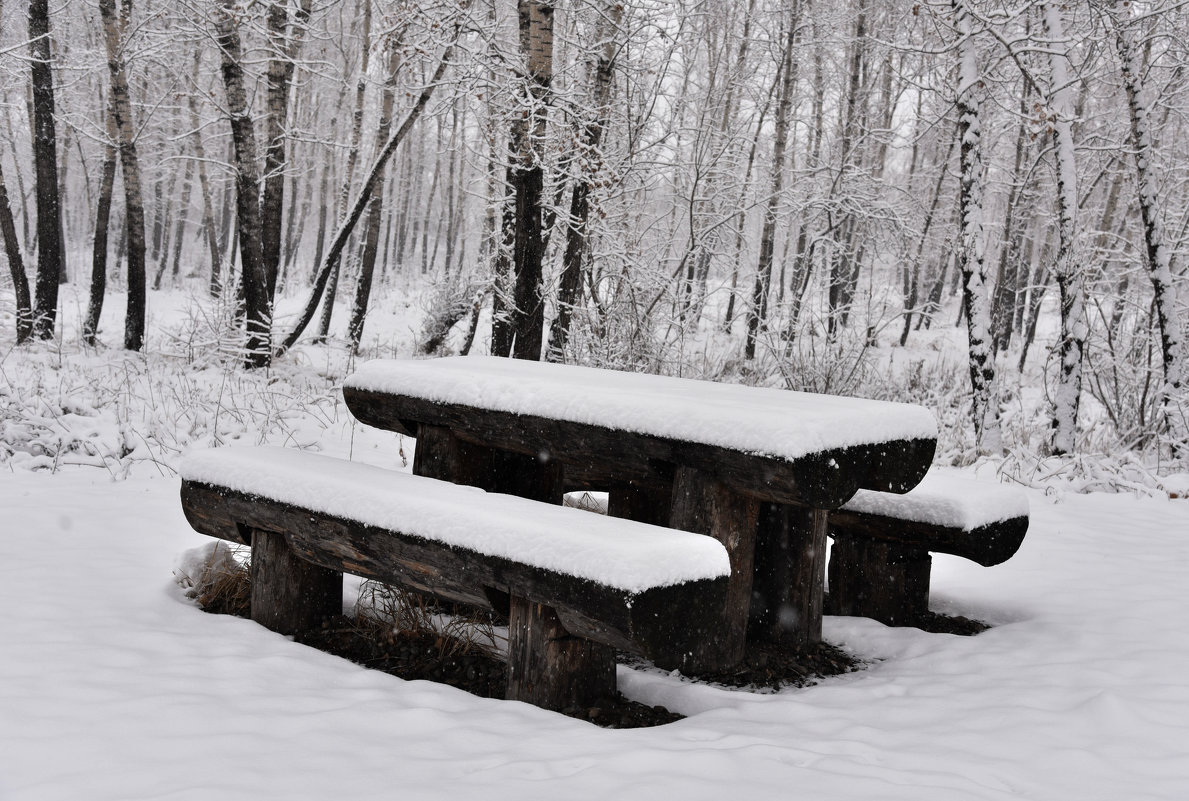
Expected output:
(415, 655)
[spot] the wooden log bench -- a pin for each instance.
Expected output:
(880, 561)
(575, 586)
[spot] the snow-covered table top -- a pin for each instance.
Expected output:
(655, 416)
(758, 420)
(617, 553)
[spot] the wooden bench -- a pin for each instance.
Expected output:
(880, 561)
(575, 586)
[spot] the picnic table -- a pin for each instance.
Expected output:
(758, 469)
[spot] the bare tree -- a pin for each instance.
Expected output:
(247, 190)
(1159, 260)
(45, 157)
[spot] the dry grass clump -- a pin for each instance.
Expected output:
(386, 613)
(219, 580)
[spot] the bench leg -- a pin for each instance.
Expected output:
(706, 506)
(289, 594)
(885, 581)
(550, 668)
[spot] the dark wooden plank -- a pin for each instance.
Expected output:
(551, 668)
(988, 545)
(597, 454)
(641, 502)
(659, 623)
(706, 506)
(442, 455)
(289, 594)
(885, 581)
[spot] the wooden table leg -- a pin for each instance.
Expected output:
(790, 574)
(707, 506)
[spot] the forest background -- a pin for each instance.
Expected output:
(780, 193)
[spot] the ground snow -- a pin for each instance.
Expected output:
(114, 686)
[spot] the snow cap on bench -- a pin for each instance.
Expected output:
(617, 553)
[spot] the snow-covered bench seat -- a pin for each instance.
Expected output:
(575, 585)
(880, 561)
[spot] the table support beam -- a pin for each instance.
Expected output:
(790, 575)
(706, 506)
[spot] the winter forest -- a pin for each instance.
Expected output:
(786, 193)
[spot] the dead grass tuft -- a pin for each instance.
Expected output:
(220, 582)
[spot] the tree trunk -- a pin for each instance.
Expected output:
(759, 297)
(16, 266)
(371, 238)
(214, 285)
(102, 224)
(121, 108)
(365, 194)
(526, 177)
(1068, 271)
(577, 225)
(45, 158)
(1157, 255)
(976, 302)
(254, 279)
(284, 47)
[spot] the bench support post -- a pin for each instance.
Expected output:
(706, 506)
(885, 581)
(289, 594)
(549, 667)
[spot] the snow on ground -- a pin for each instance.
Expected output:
(114, 686)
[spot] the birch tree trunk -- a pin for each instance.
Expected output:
(121, 109)
(1067, 270)
(975, 299)
(45, 159)
(254, 280)
(1172, 346)
(526, 177)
